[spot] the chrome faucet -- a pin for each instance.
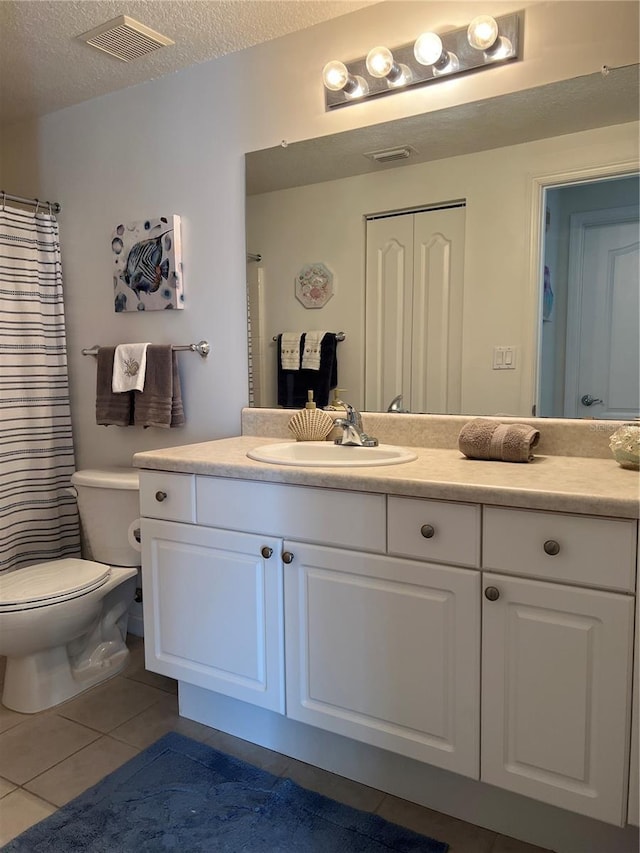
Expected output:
(352, 432)
(396, 405)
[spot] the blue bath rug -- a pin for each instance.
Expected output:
(183, 796)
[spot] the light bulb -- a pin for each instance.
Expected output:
(404, 77)
(428, 48)
(335, 75)
(502, 49)
(449, 65)
(482, 32)
(380, 61)
(357, 88)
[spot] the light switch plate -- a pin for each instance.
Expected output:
(504, 358)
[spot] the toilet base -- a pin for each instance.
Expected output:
(45, 679)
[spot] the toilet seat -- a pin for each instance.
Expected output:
(50, 583)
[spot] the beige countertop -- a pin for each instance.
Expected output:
(560, 483)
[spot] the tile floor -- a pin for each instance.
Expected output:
(49, 758)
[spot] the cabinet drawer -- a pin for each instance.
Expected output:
(579, 549)
(167, 496)
(434, 530)
(329, 517)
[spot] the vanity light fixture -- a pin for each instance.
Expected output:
(485, 42)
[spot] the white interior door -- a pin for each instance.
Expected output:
(603, 323)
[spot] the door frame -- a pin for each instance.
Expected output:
(532, 308)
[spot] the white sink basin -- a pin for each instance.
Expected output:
(327, 454)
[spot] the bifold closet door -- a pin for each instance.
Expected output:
(414, 290)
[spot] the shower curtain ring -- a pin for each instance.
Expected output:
(37, 207)
(4, 198)
(50, 211)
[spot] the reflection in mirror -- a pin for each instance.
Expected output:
(470, 344)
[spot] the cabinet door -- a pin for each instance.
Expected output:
(556, 672)
(385, 651)
(633, 815)
(213, 610)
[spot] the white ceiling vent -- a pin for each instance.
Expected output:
(125, 38)
(389, 155)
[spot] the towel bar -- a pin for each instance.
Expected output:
(202, 347)
(340, 336)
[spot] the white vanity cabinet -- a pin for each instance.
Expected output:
(386, 651)
(492, 642)
(556, 658)
(213, 609)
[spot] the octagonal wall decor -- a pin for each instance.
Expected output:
(314, 285)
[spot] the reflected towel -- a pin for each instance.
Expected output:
(111, 409)
(289, 343)
(311, 350)
(160, 404)
(482, 438)
(129, 367)
(294, 385)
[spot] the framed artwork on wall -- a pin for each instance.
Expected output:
(147, 265)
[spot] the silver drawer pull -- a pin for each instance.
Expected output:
(492, 593)
(161, 496)
(136, 535)
(287, 557)
(428, 531)
(551, 547)
(266, 551)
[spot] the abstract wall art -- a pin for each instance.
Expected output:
(147, 265)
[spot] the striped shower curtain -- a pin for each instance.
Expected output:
(38, 516)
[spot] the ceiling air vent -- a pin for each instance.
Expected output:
(389, 155)
(125, 38)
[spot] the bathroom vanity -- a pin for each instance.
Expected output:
(445, 629)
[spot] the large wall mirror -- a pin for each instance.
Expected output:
(450, 260)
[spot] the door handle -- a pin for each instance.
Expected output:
(588, 400)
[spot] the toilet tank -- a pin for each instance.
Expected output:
(109, 507)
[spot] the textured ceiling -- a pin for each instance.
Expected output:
(44, 68)
(568, 106)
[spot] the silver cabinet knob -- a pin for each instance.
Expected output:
(588, 400)
(492, 593)
(161, 496)
(287, 557)
(428, 531)
(266, 551)
(551, 547)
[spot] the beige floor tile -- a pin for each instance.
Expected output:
(36, 745)
(8, 718)
(136, 671)
(266, 759)
(337, 787)
(162, 717)
(460, 836)
(20, 810)
(6, 787)
(503, 844)
(81, 771)
(111, 704)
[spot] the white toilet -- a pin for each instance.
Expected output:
(63, 624)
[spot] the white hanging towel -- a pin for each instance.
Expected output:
(311, 351)
(129, 367)
(290, 350)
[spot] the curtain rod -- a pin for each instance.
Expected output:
(202, 347)
(53, 206)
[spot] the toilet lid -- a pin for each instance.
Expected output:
(50, 583)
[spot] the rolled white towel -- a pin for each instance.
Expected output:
(129, 367)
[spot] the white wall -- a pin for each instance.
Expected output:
(177, 144)
(325, 222)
